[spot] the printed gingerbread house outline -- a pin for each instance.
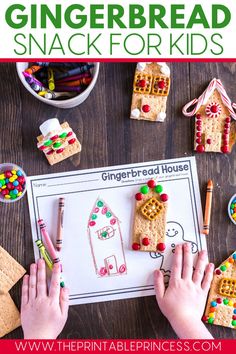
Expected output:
(150, 91)
(213, 111)
(149, 229)
(106, 241)
(221, 304)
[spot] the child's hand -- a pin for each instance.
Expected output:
(43, 315)
(184, 300)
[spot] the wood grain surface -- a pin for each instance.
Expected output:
(109, 137)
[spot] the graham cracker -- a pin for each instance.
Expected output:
(224, 304)
(9, 315)
(69, 150)
(157, 104)
(10, 271)
(143, 227)
(149, 93)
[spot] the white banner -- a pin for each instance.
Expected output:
(112, 29)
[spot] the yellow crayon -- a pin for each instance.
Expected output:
(51, 82)
(44, 254)
(42, 93)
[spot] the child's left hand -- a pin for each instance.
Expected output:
(43, 315)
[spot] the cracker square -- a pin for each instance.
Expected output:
(69, 150)
(10, 271)
(9, 315)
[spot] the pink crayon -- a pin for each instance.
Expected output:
(69, 88)
(50, 248)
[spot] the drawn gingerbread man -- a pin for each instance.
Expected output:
(174, 236)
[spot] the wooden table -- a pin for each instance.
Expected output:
(109, 137)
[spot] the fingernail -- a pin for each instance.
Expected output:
(212, 265)
(41, 262)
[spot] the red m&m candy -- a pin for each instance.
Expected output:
(151, 183)
(146, 108)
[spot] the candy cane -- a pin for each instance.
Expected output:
(214, 84)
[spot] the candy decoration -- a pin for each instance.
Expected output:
(136, 246)
(200, 148)
(151, 183)
(213, 110)
(11, 184)
(161, 247)
(145, 241)
(164, 197)
(159, 189)
(138, 196)
(214, 84)
(146, 108)
(142, 83)
(217, 271)
(144, 189)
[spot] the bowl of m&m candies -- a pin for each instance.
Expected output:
(232, 209)
(12, 183)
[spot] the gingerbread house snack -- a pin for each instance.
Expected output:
(150, 218)
(10, 273)
(150, 90)
(58, 141)
(213, 111)
(221, 304)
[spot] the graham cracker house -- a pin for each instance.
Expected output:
(221, 304)
(150, 91)
(213, 110)
(149, 230)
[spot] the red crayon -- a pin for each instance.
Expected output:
(50, 248)
(84, 81)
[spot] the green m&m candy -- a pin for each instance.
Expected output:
(63, 135)
(159, 188)
(144, 189)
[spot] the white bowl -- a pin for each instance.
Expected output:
(68, 103)
(11, 166)
(231, 202)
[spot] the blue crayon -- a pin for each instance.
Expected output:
(75, 71)
(38, 88)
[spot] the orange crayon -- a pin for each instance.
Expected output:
(33, 69)
(207, 216)
(61, 206)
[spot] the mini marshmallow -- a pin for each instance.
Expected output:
(141, 66)
(135, 113)
(161, 117)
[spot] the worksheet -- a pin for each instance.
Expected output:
(97, 257)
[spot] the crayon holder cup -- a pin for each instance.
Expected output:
(13, 182)
(232, 209)
(65, 103)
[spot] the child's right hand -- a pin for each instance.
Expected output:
(184, 300)
(43, 315)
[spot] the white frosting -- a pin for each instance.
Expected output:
(135, 113)
(165, 70)
(49, 125)
(161, 117)
(141, 66)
